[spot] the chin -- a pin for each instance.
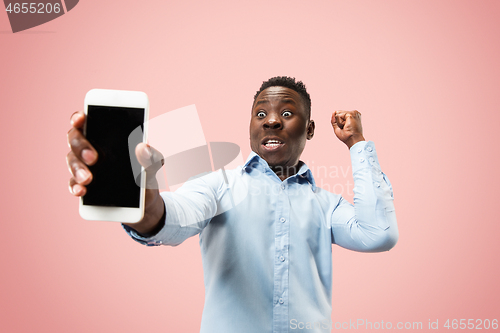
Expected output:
(274, 161)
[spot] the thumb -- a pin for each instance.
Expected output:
(152, 161)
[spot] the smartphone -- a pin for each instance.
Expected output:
(115, 123)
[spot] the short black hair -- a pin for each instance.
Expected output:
(288, 82)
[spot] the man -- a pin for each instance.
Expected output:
(266, 255)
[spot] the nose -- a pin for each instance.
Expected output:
(273, 122)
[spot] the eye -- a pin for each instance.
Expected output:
(286, 113)
(261, 114)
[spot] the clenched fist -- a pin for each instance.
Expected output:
(347, 127)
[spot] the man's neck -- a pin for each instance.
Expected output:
(285, 172)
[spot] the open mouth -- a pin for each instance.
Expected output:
(272, 144)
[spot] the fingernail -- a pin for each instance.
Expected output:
(82, 175)
(72, 120)
(88, 155)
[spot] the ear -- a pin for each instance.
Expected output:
(310, 129)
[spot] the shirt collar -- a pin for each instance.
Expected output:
(256, 162)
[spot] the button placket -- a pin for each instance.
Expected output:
(281, 264)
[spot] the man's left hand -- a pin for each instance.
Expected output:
(347, 127)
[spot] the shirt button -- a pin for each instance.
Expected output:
(377, 184)
(372, 160)
(359, 150)
(282, 220)
(361, 159)
(369, 149)
(281, 301)
(283, 186)
(282, 258)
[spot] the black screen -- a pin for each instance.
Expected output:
(108, 129)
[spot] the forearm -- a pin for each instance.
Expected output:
(187, 211)
(374, 203)
(369, 226)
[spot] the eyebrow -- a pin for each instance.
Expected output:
(282, 101)
(262, 101)
(288, 101)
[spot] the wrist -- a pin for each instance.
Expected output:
(156, 229)
(353, 140)
(154, 215)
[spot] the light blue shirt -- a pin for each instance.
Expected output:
(266, 244)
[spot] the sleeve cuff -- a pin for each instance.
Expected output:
(364, 155)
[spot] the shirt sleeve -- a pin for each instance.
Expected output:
(370, 225)
(188, 211)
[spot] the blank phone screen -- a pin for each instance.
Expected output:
(108, 129)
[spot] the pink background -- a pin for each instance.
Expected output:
(425, 75)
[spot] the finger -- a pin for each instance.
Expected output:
(354, 113)
(337, 129)
(340, 118)
(78, 169)
(353, 123)
(77, 119)
(152, 161)
(76, 189)
(81, 147)
(334, 120)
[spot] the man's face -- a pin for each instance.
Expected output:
(279, 126)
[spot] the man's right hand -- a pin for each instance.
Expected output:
(82, 155)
